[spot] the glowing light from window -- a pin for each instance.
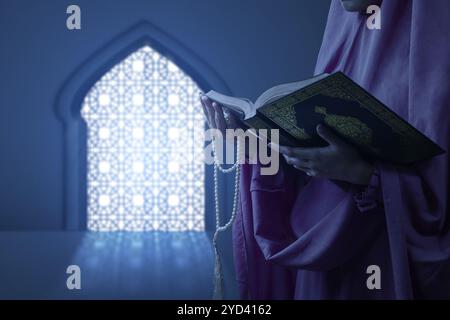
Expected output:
(145, 131)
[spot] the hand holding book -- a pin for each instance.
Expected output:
(215, 116)
(360, 119)
(216, 119)
(337, 161)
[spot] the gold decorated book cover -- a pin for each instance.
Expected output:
(352, 113)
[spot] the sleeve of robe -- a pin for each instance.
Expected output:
(258, 278)
(266, 248)
(341, 232)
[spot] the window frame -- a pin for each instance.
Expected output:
(70, 99)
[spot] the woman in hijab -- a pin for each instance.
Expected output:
(329, 224)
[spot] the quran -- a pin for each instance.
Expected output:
(295, 109)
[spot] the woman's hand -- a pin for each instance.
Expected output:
(216, 120)
(215, 116)
(338, 161)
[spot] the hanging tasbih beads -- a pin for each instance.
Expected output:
(218, 276)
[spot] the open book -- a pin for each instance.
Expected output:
(295, 109)
(245, 109)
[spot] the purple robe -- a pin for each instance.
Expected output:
(297, 237)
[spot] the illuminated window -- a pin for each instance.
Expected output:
(145, 140)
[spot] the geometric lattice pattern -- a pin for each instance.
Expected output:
(145, 147)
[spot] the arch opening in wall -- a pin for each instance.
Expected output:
(77, 101)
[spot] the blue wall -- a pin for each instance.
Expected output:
(251, 44)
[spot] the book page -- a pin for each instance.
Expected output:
(282, 90)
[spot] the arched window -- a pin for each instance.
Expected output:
(144, 147)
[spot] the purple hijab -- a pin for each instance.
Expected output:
(297, 237)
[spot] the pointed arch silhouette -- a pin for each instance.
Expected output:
(70, 98)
